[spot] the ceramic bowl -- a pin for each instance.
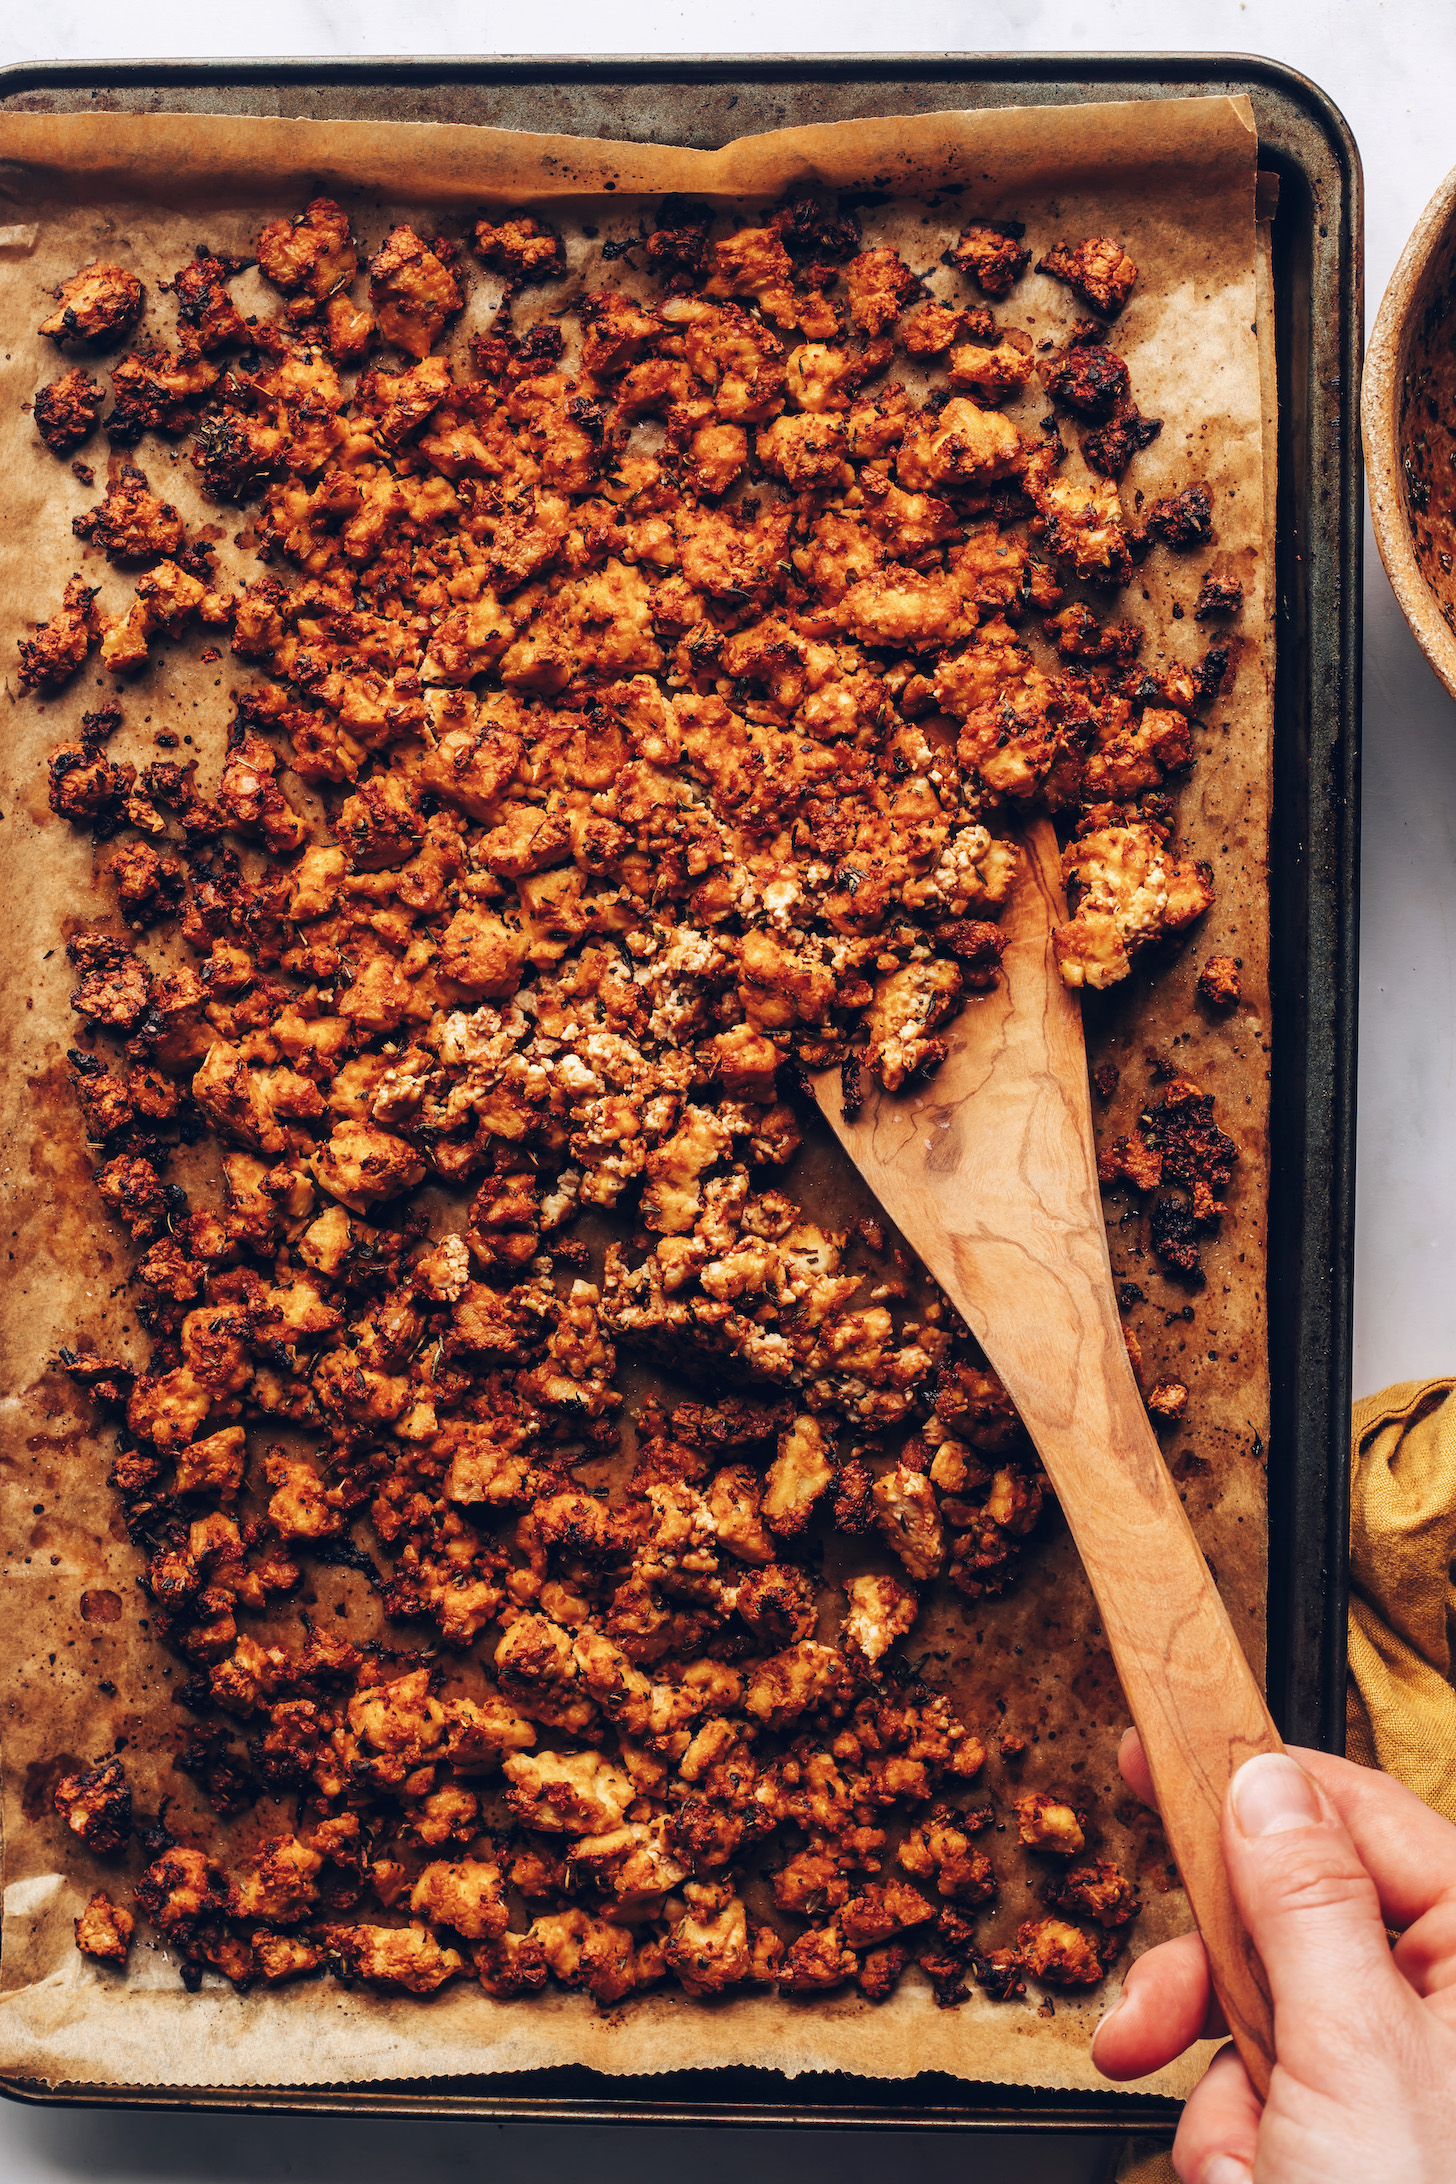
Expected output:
(1408, 419)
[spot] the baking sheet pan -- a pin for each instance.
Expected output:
(1316, 1025)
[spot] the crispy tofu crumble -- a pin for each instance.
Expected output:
(628, 719)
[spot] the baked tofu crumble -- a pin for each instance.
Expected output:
(628, 720)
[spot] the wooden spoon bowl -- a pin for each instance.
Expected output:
(990, 1173)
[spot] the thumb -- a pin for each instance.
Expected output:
(1309, 1905)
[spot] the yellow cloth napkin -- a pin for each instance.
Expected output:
(1400, 1708)
(1400, 1705)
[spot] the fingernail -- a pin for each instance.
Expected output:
(1270, 1793)
(1226, 2169)
(1103, 2023)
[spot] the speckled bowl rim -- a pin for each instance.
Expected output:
(1385, 363)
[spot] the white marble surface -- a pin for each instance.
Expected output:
(1390, 68)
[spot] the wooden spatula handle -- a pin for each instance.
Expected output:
(990, 1174)
(1198, 1709)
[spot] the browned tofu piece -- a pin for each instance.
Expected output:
(993, 373)
(299, 1507)
(467, 1896)
(104, 1930)
(1182, 519)
(156, 390)
(961, 446)
(709, 1948)
(362, 1164)
(908, 1516)
(800, 1473)
(881, 1610)
(393, 1956)
(605, 1959)
(576, 1793)
(1099, 270)
(1131, 890)
(284, 1956)
(95, 306)
(181, 1889)
(115, 987)
(1110, 447)
(789, 1684)
(515, 1964)
(350, 327)
(936, 327)
(1058, 1954)
(1088, 376)
(879, 284)
(1045, 1823)
(778, 1604)
(882, 1910)
(132, 524)
(994, 257)
(168, 1408)
(1099, 1892)
(1083, 524)
(313, 254)
(278, 1883)
(816, 1961)
(522, 248)
(880, 1971)
(413, 292)
(1167, 1401)
(213, 1466)
(939, 1847)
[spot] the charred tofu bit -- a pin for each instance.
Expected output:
(96, 1805)
(1220, 982)
(1088, 376)
(1219, 593)
(203, 303)
(66, 410)
(157, 391)
(1167, 1401)
(95, 306)
(1097, 1891)
(630, 712)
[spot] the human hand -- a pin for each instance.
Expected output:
(1323, 1857)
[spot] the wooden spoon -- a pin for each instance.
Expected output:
(990, 1173)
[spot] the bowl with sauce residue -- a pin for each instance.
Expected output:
(1408, 419)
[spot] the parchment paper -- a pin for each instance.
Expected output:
(81, 1672)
